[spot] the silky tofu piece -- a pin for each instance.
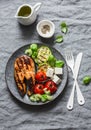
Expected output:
(58, 71)
(50, 72)
(56, 79)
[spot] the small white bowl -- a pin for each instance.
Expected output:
(46, 28)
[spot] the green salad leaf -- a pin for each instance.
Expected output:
(59, 63)
(59, 39)
(87, 80)
(64, 27)
(51, 60)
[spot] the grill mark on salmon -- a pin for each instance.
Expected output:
(24, 74)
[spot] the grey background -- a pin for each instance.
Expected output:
(55, 116)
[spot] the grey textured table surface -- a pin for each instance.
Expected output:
(77, 14)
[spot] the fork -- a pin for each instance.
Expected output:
(70, 63)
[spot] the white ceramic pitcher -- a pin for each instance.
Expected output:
(26, 14)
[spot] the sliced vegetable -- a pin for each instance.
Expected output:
(39, 97)
(32, 51)
(51, 86)
(43, 67)
(59, 39)
(49, 97)
(28, 52)
(43, 98)
(43, 54)
(32, 98)
(87, 79)
(46, 97)
(59, 63)
(35, 97)
(40, 76)
(47, 91)
(38, 89)
(64, 27)
(34, 47)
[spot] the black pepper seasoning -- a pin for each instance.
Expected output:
(45, 29)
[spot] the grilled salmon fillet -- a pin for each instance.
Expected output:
(24, 74)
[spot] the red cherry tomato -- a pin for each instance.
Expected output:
(38, 89)
(51, 86)
(40, 76)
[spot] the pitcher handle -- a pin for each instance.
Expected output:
(37, 6)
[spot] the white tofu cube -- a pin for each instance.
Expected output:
(56, 79)
(50, 72)
(58, 71)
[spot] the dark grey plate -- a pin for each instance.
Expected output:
(9, 75)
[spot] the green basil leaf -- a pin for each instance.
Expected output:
(59, 63)
(64, 27)
(59, 39)
(87, 79)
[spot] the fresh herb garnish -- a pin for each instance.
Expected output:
(51, 60)
(59, 63)
(87, 80)
(59, 39)
(64, 27)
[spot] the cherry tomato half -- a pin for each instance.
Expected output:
(51, 86)
(40, 76)
(38, 89)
